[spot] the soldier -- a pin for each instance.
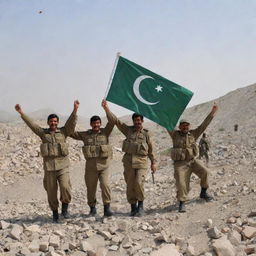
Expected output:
(54, 151)
(97, 153)
(184, 154)
(204, 147)
(138, 148)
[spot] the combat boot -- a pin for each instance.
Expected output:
(140, 211)
(205, 195)
(93, 211)
(133, 209)
(55, 216)
(64, 211)
(107, 211)
(182, 207)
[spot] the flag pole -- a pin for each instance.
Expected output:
(112, 74)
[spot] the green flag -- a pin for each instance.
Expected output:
(144, 92)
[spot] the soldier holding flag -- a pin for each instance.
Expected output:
(138, 148)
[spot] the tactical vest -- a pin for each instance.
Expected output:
(54, 145)
(96, 145)
(184, 147)
(136, 143)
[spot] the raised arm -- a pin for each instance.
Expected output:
(30, 123)
(171, 133)
(108, 128)
(77, 135)
(113, 120)
(201, 128)
(71, 122)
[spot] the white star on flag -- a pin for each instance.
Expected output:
(159, 88)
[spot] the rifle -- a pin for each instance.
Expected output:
(153, 177)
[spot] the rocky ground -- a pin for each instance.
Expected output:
(224, 227)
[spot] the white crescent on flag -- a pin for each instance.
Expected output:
(136, 90)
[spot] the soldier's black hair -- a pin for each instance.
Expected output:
(95, 118)
(52, 116)
(135, 115)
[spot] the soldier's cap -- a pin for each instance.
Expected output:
(182, 121)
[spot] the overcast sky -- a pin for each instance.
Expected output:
(67, 52)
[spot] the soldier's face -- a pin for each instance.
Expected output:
(184, 127)
(137, 122)
(53, 123)
(96, 125)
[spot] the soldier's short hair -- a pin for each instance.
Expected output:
(135, 115)
(52, 116)
(95, 118)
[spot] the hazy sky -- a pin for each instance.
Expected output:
(67, 52)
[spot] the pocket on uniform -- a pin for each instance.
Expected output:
(44, 149)
(143, 149)
(87, 152)
(105, 151)
(64, 149)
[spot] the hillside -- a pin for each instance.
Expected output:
(224, 227)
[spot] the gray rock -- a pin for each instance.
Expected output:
(249, 232)
(86, 247)
(214, 233)
(34, 246)
(223, 247)
(113, 248)
(166, 250)
(4, 224)
(16, 231)
(54, 241)
(43, 246)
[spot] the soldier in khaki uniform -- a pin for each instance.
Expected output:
(204, 147)
(97, 153)
(138, 148)
(184, 154)
(54, 151)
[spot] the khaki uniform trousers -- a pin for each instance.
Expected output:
(51, 181)
(182, 174)
(135, 179)
(92, 175)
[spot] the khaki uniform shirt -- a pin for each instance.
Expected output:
(47, 136)
(137, 161)
(96, 139)
(187, 141)
(204, 145)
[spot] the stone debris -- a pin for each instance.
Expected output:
(214, 233)
(86, 247)
(166, 250)
(223, 247)
(16, 231)
(249, 232)
(26, 227)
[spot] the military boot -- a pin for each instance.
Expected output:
(64, 211)
(182, 207)
(55, 216)
(140, 211)
(205, 195)
(93, 211)
(107, 211)
(133, 209)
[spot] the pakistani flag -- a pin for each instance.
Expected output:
(146, 93)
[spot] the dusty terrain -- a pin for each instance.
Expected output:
(222, 227)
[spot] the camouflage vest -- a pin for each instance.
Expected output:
(96, 145)
(136, 143)
(184, 147)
